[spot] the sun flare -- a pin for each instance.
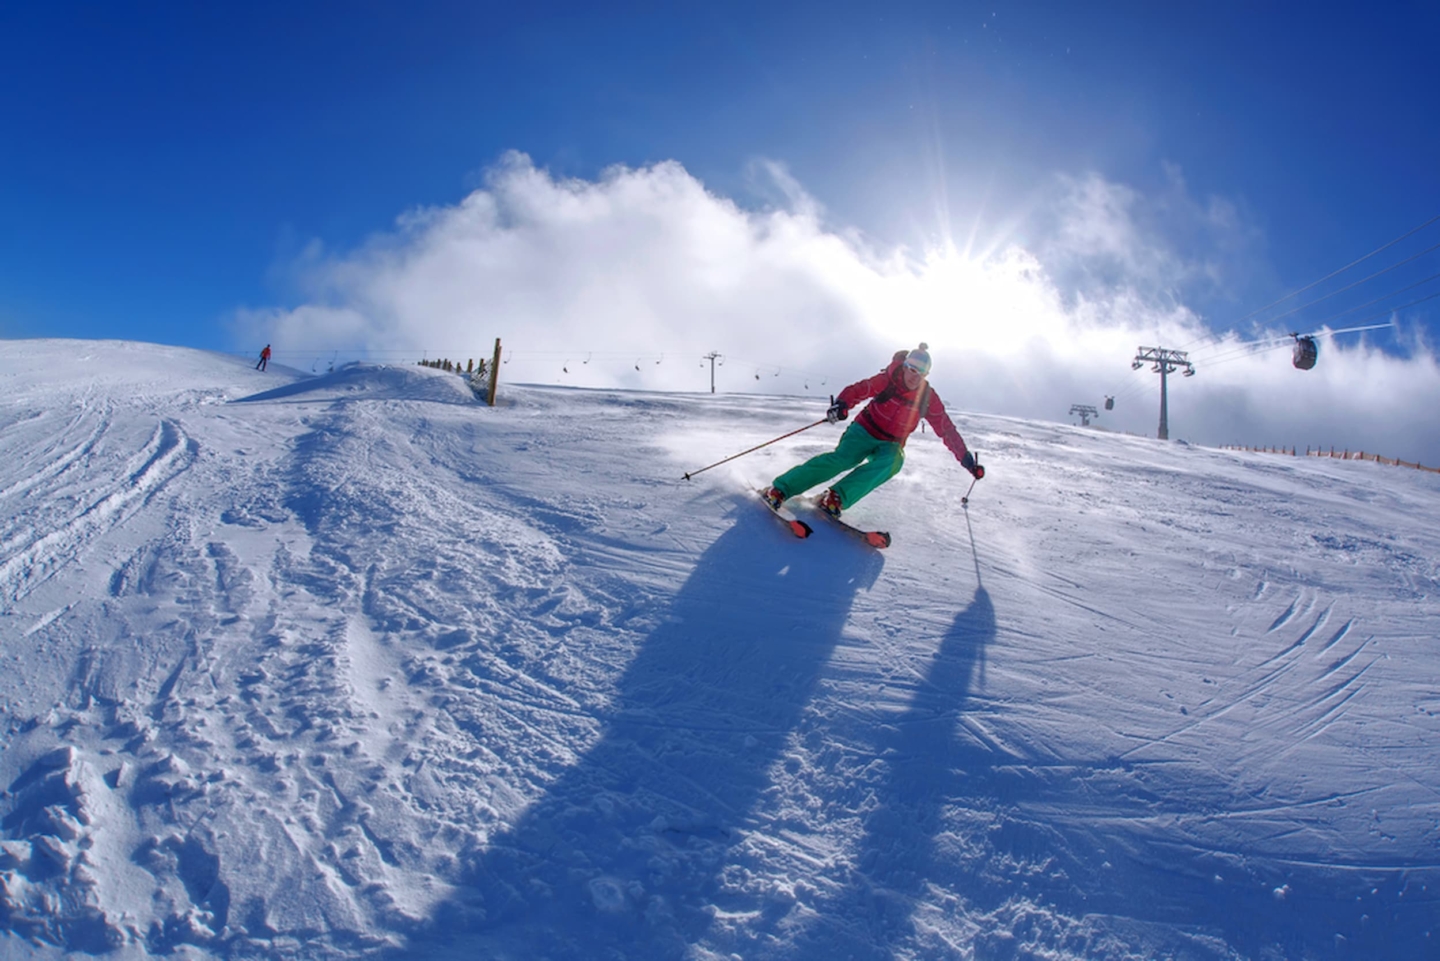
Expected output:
(998, 305)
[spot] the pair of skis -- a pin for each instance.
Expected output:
(876, 539)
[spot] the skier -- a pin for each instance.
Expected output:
(874, 445)
(264, 359)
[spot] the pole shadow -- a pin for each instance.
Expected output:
(930, 758)
(622, 856)
(953, 817)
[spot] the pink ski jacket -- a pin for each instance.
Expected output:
(895, 412)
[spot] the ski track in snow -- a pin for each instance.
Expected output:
(353, 666)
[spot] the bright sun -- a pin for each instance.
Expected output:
(997, 305)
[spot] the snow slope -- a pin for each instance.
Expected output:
(354, 666)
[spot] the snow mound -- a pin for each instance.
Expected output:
(354, 666)
(360, 381)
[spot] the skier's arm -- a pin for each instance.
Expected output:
(863, 389)
(944, 428)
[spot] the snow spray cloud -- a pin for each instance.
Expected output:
(629, 279)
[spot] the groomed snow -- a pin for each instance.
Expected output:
(355, 666)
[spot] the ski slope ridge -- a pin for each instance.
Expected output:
(354, 666)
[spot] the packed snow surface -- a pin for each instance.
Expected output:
(356, 666)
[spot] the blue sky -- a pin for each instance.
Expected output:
(167, 165)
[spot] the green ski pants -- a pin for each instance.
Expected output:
(881, 459)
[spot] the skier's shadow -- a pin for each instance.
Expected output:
(950, 805)
(700, 716)
(932, 757)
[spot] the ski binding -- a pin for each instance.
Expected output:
(792, 523)
(876, 539)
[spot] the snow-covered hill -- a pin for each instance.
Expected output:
(353, 666)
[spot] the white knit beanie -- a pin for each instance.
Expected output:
(919, 359)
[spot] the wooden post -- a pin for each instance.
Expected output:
(494, 374)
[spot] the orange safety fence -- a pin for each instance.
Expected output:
(1361, 455)
(1332, 452)
(1261, 450)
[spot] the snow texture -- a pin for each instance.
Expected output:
(355, 666)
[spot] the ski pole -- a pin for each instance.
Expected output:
(965, 501)
(756, 447)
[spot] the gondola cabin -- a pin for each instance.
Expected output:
(1306, 353)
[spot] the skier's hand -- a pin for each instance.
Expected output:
(837, 412)
(969, 463)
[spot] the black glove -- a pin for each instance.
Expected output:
(837, 411)
(968, 462)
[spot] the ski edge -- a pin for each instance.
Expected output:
(876, 539)
(796, 526)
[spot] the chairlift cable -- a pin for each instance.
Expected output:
(1350, 310)
(1335, 273)
(1357, 283)
(1261, 346)
(1371, 303)
(1227, 358)
(1214, 336)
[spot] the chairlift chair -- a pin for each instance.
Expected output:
(1306, 352)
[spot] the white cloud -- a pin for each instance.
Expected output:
(643, 265)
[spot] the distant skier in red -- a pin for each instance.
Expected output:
(874, 445)
(264, 359)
